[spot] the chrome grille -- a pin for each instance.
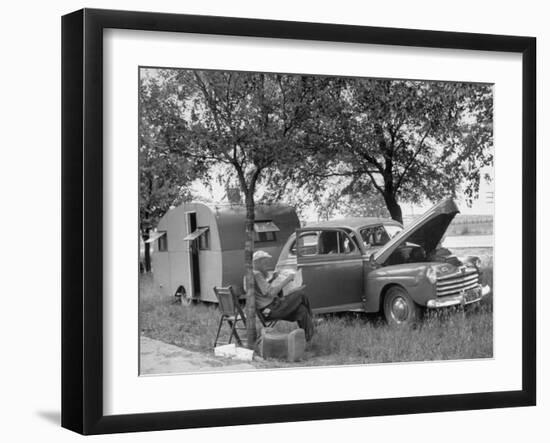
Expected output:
(456, 283)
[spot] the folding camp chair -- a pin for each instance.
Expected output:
(265, 320)
(231, 312)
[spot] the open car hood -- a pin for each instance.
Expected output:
(426, 231)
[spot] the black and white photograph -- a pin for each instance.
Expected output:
(290, 220)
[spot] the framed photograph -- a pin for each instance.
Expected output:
(269, 221)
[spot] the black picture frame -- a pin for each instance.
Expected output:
(82, 219)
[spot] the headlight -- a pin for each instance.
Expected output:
(472, 260)
(431, 275)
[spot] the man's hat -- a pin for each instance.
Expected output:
(260, 254)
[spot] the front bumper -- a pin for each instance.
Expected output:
(461, 299)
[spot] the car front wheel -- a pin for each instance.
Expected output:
(399, 307)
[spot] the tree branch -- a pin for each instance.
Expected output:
(342, 174)
(413, 158)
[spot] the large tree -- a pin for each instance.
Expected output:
(408, 140)
(251, 122)
(165, 176)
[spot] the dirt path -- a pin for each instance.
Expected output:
(160, 358)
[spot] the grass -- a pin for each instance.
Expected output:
(465, 224)
(348, 338)
(471, 225)
(192, 327)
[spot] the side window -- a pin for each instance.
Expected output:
(347, 245)
(336, 242)
(307, 243)
(328, 242)
(204, 240)
(265, 231)
(264, 236)
(162, 242)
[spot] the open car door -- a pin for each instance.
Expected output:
(331, 264)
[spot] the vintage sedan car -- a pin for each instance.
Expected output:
(373, 264)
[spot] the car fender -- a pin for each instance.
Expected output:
(410, 276)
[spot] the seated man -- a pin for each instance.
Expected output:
(292, 307)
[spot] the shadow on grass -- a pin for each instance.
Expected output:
(342, 338)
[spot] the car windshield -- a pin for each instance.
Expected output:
(379, 235)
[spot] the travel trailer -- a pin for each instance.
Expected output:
(199, 245)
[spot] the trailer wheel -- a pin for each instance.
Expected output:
(182, 297)
(186, 300)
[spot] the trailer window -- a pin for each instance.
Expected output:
(204, 239)
(264, 237)
(162, 242)
(265, 231)
(199, 237)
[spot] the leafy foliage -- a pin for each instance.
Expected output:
(165, 176)
(409, 140)
(251, 122)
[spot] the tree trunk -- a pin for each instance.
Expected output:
(394, 208)
(249, 275)
(147, 256)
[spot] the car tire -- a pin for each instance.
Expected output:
(399, 308)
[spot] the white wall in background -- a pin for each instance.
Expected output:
(30, 221)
